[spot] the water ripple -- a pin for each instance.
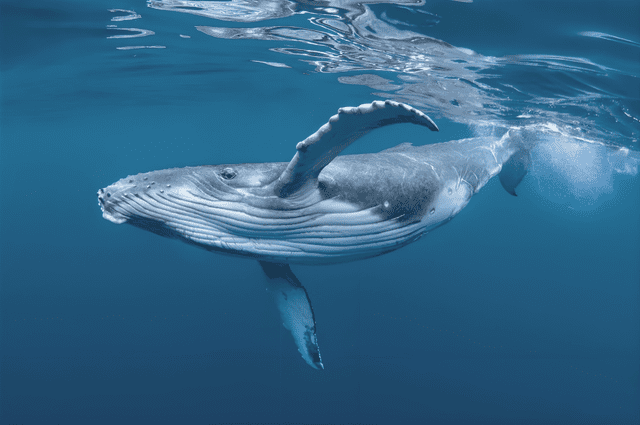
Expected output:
(140, 47)
(234, 10)
(273, 64)
(346, 36)
(131, 15)
(609, 37)
(140, 32)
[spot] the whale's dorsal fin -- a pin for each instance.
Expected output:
(349, 124)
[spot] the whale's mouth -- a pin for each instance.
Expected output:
(107, 212)
(110, 201)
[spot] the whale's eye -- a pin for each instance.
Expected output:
(228, 173)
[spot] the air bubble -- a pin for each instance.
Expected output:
(386, 204)
(130, 180)
(168, 185)
(148, 186)
(145, 178)
(449, 191)
(433, 211)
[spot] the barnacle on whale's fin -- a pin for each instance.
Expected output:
(295, 310)
(349, 124)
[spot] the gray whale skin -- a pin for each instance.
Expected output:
(319, 208)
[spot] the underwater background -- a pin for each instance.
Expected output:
(521, 310)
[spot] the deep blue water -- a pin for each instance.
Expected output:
(521, 310)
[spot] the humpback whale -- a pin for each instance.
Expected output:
(319, 208)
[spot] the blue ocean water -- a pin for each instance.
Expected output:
(521, 310)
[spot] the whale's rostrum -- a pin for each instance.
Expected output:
(320, 208)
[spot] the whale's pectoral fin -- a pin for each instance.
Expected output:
(514, 170)
(295, 310)
(349, 124)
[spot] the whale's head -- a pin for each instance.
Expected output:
(217, 207)
(149, 196)
(157, 195)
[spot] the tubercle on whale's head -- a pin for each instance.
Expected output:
(108, 206)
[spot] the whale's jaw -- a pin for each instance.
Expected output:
(108, 201)
(114, 218)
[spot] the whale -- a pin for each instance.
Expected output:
(320, 207)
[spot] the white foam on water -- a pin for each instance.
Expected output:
(576, 172)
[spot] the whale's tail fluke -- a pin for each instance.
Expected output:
(514, 170)
(517, 157)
